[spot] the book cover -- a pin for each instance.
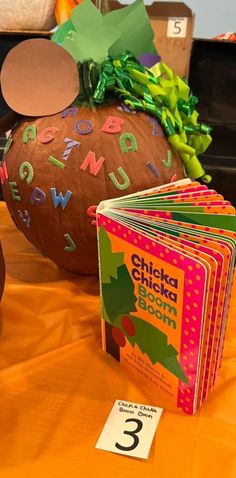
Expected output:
(162, 259)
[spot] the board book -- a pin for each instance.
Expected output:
(166, 259)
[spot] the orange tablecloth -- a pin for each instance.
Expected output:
(57, 386)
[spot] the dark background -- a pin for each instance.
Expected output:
(213, 80)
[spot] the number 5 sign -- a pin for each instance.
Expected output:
(177, 27)
(130, 429)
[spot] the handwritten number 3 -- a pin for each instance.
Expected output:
(133, 434)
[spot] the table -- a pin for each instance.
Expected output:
(57, 386)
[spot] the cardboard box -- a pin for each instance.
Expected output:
(212, 79)
(172, 23)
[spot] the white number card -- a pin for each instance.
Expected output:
(130, 429)
(177, 27)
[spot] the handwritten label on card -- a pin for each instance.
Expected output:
(130, 429)
(177, 27)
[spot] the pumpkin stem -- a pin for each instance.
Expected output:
(103, 6)
(88, 75)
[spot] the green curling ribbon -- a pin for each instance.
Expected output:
(164, 95)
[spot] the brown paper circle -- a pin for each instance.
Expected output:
(39, 78)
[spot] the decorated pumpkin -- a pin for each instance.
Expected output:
(2, 272)
(27, 15)
(94, 129)
(60, 167)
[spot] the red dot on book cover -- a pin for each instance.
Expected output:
(128, 325)
(118, 337)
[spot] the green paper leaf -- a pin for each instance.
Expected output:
(118, 295)
(62, 32)
(109, 261)
(154, 343)
(149, 48)
(136, 33)
(92, 37)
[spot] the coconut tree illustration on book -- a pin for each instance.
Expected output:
(118, 306)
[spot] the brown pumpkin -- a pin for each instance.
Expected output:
(2, 272)
(87, 155)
